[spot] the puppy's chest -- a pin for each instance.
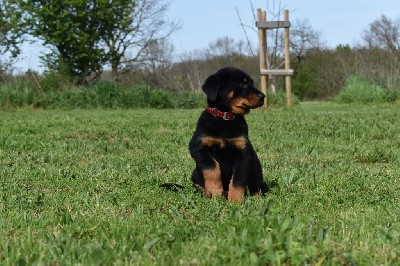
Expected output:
(218, 143)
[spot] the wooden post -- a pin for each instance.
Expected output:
(262, 43)
(263, 25)
(288, 79)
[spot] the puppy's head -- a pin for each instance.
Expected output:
(232, 90)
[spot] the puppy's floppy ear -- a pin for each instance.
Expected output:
(211, 86)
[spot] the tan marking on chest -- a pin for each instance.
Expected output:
(212, 142)
(237, 142)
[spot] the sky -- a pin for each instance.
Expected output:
(204, 21)
(338, 21)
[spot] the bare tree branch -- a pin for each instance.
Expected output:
(245, 32)
(383, 33)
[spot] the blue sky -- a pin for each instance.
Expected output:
(338, 21)
(203, 21)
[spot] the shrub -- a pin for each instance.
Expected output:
(359, 89)
(160, 99)
(54, 81)
(103, 94)
(393, 94)
(142, 97)
(75, 97)
(305, 83)
(16, 94)
(107, 94)
(186, 100)
(135, 97)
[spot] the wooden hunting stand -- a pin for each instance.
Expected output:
(263, 25)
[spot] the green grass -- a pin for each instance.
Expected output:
(81, 187)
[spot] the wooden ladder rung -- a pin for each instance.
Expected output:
(277, 72)
(272, 24)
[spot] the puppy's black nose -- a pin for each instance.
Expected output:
(261, 96)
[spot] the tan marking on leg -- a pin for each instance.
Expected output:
(235, 194)
(256, 194)
(198, 187)
(212, 181)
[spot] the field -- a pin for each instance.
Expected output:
(82, 187)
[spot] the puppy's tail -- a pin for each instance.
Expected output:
(172, 186)
(264, 188)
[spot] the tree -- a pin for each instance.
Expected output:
(73, 30)
(10, 32)
(136, 27)
(383, 33)
(85, 35)
(226, 47)
(303, 38)
(157, 70)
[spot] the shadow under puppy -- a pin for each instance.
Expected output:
(226, 163)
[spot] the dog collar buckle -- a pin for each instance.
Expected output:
(225, 117)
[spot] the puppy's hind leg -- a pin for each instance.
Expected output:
(198, 181)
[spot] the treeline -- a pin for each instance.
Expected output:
(358, 74)
(116, 46)
(323, 73)
(319, 74)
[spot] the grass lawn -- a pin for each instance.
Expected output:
(81, 187)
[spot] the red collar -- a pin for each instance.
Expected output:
(217, 113)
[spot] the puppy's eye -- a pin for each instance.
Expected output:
(243, 85)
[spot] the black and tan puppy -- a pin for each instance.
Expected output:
(226, 163)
